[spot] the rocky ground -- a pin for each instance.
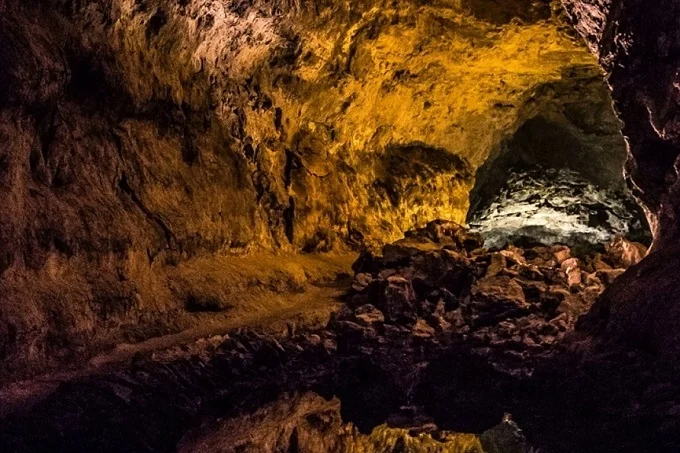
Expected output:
(437, 336)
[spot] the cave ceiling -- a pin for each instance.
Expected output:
(327, 122)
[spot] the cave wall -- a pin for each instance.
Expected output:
(578, 131)
(141, 134)
(638, 44)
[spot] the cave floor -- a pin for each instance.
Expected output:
(436, 337)
(289, 292)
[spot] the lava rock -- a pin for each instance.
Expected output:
(448, 232)
(624, 253)
(607, 276)
(397, 300)
(495, 298)
(369, 315)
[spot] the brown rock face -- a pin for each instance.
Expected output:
(496, 298)
(638, 44)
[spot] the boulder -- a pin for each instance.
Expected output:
(369, 315)
(493, 299)
(561, 253)
(423, 330)
(448, 232)
(623, 253)
(361, 281)
(397, 300)
(400, 252)
(498, 264)
(513, 255)
(607, 276)
(572, 269)
(367, 262)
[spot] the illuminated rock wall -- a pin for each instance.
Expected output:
(551, 206)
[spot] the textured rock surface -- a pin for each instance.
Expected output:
(511, 305)
(638, 44)
(311, 424)
(557, 206)
(137, 135)
(642, 60)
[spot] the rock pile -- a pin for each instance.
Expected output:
(438, 334)
(512, 305)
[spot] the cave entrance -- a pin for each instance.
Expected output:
(557, 179)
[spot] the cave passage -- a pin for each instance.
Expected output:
(557, 206)
(558, 179)
(310, 226)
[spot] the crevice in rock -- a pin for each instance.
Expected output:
(292, 164)
(289, 220)
(155, 219)
(157, 21)
(190, 152)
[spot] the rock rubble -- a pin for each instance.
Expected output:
(511, 305)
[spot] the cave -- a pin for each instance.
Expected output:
(559, 178)
(324, 226)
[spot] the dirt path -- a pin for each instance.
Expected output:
(307, 309)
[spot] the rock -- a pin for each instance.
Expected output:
(543, 205)
(599, 264)
(369, 315)
(440, 308)
(495, 298)
(552, 299)
(397, 300)
(459, 274)
(448, 232)
(531, 272)
(498, 264)
(455, 318)
(623, 253)
(607, 276)
(514, 255)
(351, 335)
(330, 345)
(534, 290)
(314, 339)
(590, 279)
(366, 263)
(386, 273)
(446, 296)
(439, 323)
(433, 266)
(423, 330)
(571, 268)
(561, 253)
(570, 263)
(573, 278)
(361, 281)
(400, 252)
